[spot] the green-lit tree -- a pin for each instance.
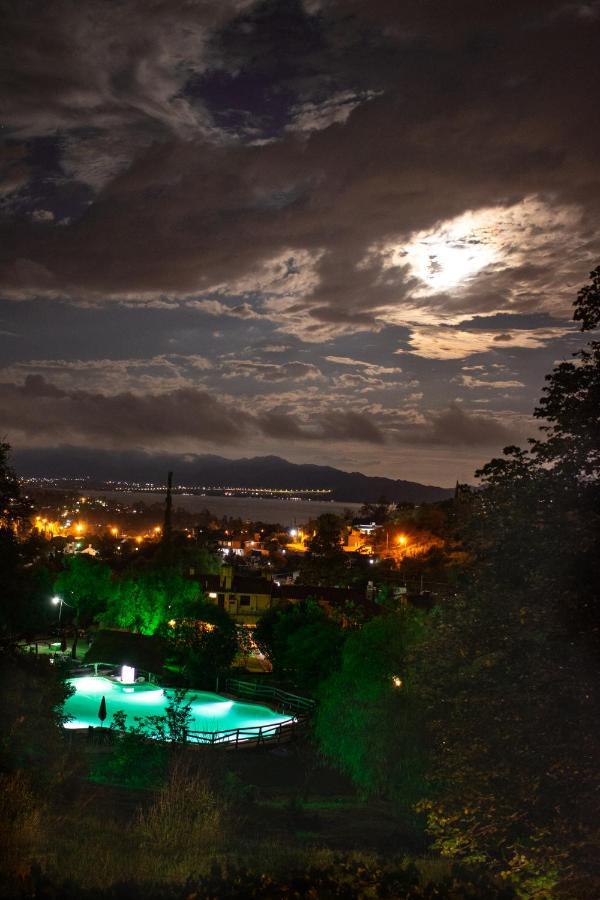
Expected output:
(367, 718)
(144, 600)
(300, 641)
(85, 586)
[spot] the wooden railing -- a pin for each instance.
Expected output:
(251, 736)
(254, 690)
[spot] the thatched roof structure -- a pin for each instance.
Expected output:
(122, 648)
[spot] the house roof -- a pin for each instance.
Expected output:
(241, 584)
(331, 595)
(123, 648)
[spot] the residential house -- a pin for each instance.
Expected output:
(244, 597)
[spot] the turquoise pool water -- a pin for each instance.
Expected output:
(209, 712)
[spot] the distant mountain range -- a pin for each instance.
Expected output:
(257, 472)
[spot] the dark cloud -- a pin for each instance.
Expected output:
(39, 409)
(456, 427)
(467, 116)
(38, 412)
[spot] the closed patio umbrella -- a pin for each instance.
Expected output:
(102, 711)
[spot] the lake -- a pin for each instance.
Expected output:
(254, 509)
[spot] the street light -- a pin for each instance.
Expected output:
(58, 601)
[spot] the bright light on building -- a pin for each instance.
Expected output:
(212, 595)
(396, 681)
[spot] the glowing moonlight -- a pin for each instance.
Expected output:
(452, 253)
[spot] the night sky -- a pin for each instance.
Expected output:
(340, 232)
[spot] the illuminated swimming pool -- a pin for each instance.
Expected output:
(209, 712)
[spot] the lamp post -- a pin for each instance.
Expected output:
(58, 601)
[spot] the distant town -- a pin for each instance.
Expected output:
(74, 482)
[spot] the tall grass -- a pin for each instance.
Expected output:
(187, 814)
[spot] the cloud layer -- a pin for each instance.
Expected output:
(316, 211)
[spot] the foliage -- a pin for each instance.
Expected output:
(23, 601)
(300, 642)
(509, 675)
(205, 645)
(22, 814)
(134, 761)
(325, 563)
(187, 815)
(145, 600)
(264, 632)
(311, 650)
(141, 752)
(366, 717)
(340, 876)
(31, 718)
(11, 512)
(85, 584)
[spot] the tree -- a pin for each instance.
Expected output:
(366, 717)
(205, 644)
(509, 676)
(300, 642)
(376, 512)
(24, 595)
(311, 650)
(571, 400)
(85, 586)
(31, 718)
(325, 562)
(144, 600)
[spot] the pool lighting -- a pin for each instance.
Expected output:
(127, 675)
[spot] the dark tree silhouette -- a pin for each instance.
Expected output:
(509, 675)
